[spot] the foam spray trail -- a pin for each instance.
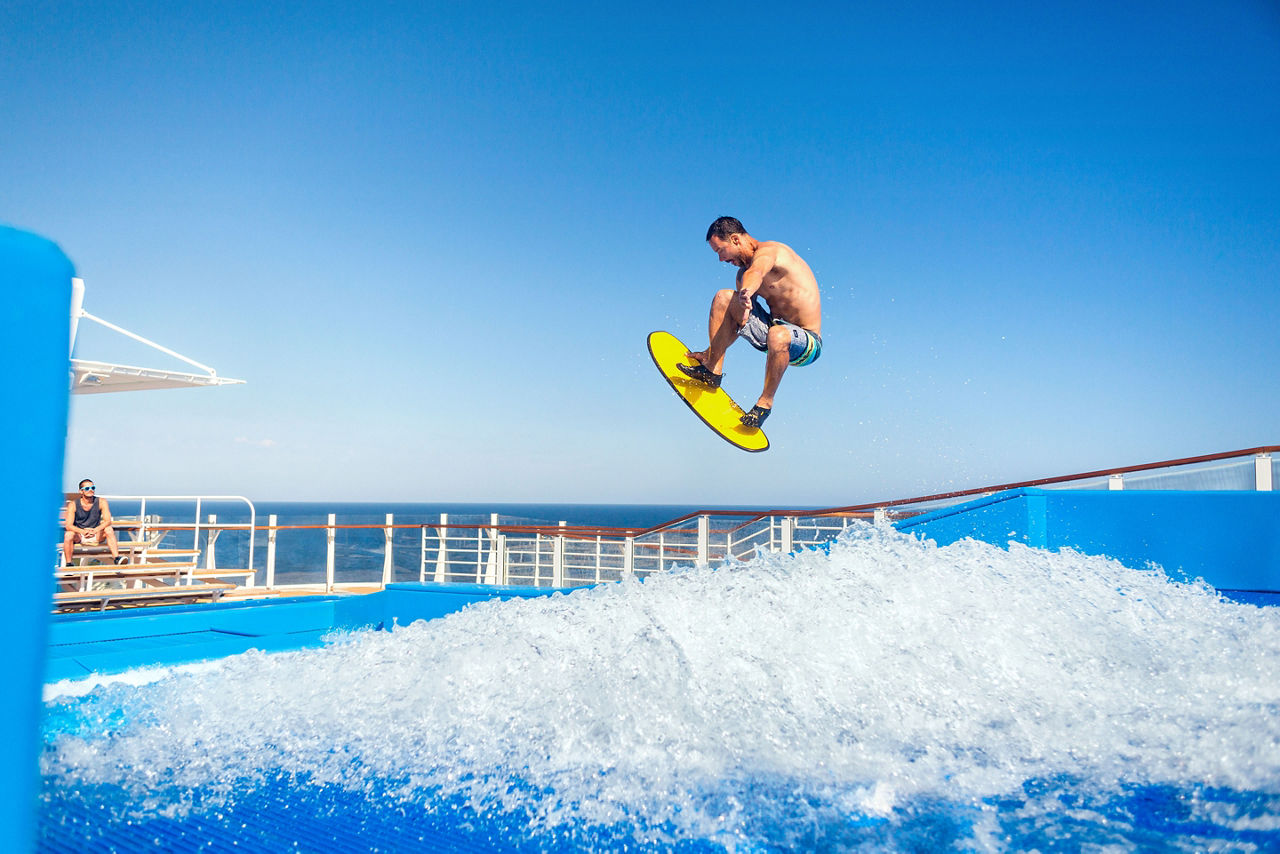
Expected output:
(788, 701)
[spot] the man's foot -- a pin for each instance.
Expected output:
(702, 374)
(756, 416)
(120, 560)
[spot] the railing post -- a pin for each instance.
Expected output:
(500, 546)
(253, 538)
(442, 553)
(328, 563)
(628, 558)
(1115, 483)
(879, 517)
(490, 565)
(1262, 472)
(422, 557)
(196, 545)
(537, 555)
(387, 564)
(557, 559)
(209, 561)
(271, 550)
(704, 534)
(785, 534)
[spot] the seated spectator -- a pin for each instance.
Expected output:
(88, 521)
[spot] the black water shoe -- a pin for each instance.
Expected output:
(755, 417)
(702, 374)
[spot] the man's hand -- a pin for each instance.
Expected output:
(743, 300)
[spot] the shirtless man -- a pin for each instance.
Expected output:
(88, 521)
(790, 331)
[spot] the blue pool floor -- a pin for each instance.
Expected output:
(294, 815)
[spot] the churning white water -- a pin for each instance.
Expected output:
(796, 693)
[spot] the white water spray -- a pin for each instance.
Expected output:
(793, 689)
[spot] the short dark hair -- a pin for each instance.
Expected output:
(725, 226)
(86, 480)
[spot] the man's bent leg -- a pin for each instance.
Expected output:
(68, 543)
(722, 329)
(775, 364)
(109, 536)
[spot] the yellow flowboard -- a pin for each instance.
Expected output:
(714, 406)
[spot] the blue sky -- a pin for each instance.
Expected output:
(433, 238)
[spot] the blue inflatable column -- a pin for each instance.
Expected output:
(35, 280)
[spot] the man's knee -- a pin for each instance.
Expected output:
(779, 338)
(723, 298)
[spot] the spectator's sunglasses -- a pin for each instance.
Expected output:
(88, 488)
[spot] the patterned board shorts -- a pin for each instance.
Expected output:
(806, 346)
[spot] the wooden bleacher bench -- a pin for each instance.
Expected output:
(160, 573)
(82, 600)
(150, 575)
(223, 573)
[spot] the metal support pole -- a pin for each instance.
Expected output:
(704, 535)
(557, 559)
(442, 553)
(328, 564)
(387, 564)
(786, 535)
(422, 557)
(271, 550)
(209, 561)
(253, 538)
(628, 558)
(1262, 472)
(490, 565)
(1115, 483)
(500, 547)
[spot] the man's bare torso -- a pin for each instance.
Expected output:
(789, 287)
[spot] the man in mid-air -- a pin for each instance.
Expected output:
(789, 331)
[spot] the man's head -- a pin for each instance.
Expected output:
(724, 227)
(730, 241)
(87, 487)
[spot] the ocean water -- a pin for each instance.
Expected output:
(889, 695)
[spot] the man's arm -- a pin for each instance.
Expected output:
(104, 521)
(752, 278)
(69, 516)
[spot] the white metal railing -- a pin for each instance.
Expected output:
(546, 554)
(211, 530)
(564, 557)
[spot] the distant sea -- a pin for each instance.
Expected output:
(367, 512)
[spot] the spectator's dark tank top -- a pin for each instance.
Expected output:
(88, 518)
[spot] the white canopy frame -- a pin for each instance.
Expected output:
(91, 377)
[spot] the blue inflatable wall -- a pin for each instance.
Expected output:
(1230, 539)
(35, 278)
(115, 641)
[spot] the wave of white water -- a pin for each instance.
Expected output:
(791, 691)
